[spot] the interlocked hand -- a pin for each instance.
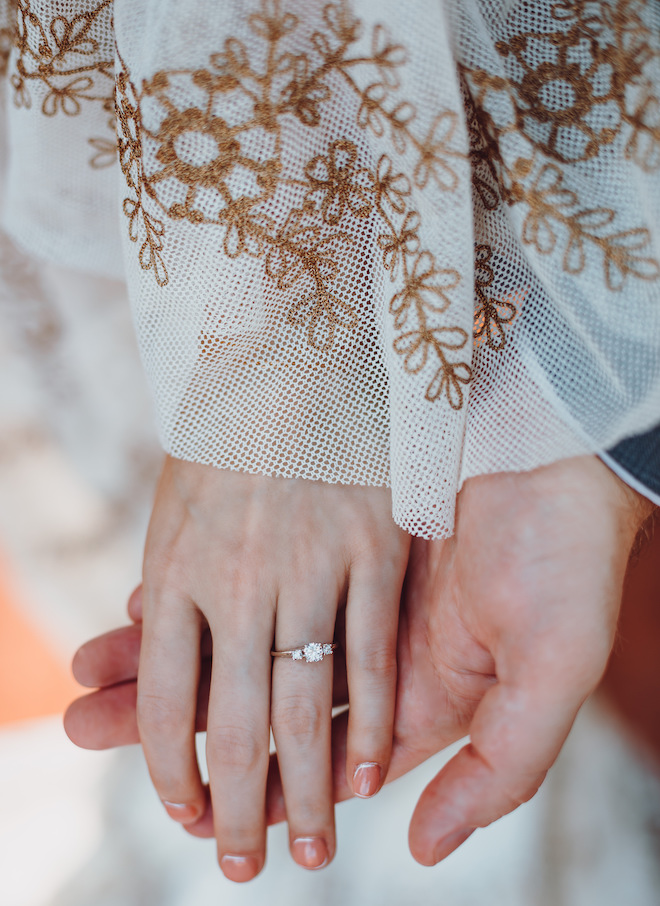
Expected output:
(504, 631)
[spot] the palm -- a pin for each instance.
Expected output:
(468, 599)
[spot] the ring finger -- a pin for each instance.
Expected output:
(301, 720)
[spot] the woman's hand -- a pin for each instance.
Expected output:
(266, 563)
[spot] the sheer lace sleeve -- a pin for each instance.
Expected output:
(383, 243)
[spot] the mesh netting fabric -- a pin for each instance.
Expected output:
(375, 243)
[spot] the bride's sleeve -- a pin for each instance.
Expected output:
(381, 243)
(293, 172)
(58, 180)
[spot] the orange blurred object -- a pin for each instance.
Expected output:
(34, 679)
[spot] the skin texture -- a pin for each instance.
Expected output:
(259, 563)
(504, 631)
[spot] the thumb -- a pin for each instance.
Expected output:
(516, 735)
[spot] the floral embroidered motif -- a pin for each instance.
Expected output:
(221, 179)
(335, 179)
(129, 146)
(65, 56)
(565, 97)
(484, 152)
(553, 106)
(491, 314)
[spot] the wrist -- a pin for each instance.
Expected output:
(634, 508)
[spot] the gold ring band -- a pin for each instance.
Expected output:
(311, 652)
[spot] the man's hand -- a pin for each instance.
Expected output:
(517, 613)
(505, 629)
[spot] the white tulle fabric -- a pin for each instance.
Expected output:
(371, 242)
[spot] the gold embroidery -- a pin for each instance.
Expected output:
(335, 181)
(129, 146)
(491, 313)
(105, 150)
(425, 293)
(484, 152)
(64, 56)
(553, 107)
(564, 95)
(219, 178)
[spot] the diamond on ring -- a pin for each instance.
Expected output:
(312, 652)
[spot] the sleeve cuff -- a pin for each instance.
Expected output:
(636, 460)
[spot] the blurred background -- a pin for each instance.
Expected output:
(77, 466)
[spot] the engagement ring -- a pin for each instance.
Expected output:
(312, 651)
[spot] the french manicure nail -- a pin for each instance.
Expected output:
(239, 868)
(366, 779)
(450, 842)
(181, 811)
(310, 852)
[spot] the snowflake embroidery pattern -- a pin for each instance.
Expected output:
(557, 104)
(220, 179)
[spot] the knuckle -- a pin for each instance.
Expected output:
(513, 797)
(235, 747)
(247, 611)
(367, 550)
(158, 716)
(299, 716)
(164, 568)
(378, 660)
(240, 575)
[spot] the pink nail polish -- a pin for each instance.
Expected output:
(239, 868)
(181, 812)
(366, 779)
(310, 852)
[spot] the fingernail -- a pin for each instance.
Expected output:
(181, 812)
(366, 779)
(239, 868)
(310, 852)
(450, 842)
